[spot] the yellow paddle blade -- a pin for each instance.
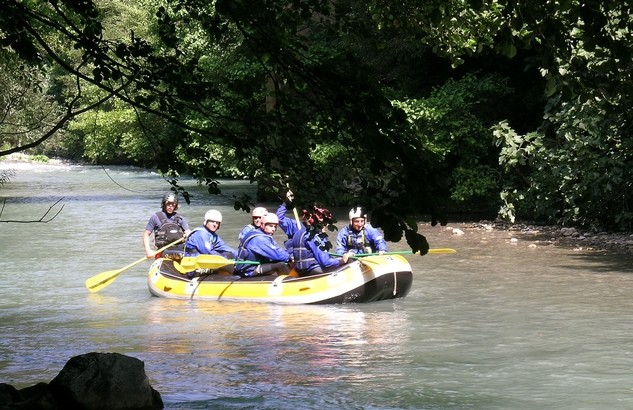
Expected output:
(103, 279)
(442, 250)
(189, 263)
(100, 281)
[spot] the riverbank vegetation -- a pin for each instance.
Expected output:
(413, 110)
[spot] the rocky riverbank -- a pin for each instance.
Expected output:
(552, 235)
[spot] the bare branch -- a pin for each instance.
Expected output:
(5, 176)
(42, 218)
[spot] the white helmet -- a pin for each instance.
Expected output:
(357, 212)
(212, 215)
(259, 211)
(270, 219)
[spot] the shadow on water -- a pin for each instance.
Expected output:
(583, 255)
(601, 262)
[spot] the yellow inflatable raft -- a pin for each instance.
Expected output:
(368, 279)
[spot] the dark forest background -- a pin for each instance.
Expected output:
(414, 109)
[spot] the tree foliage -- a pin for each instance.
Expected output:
(392, 106)
(575, 167)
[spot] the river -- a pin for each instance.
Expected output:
(501, 324)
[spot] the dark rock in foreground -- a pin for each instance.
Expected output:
(93, 381)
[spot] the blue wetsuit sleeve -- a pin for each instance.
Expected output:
(322, 256)
(222, 247)
(281, 211)
(195, 244)
(288, 225)
(341, 241)
(184, 224)
(375, 237)
(153, 223)
(266, 247)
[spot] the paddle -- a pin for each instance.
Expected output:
(291, 198)
(103, 279)
(294, 210)
(189, 263)
(432, 251)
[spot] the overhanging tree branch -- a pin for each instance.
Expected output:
(41, 220)
(70, 114)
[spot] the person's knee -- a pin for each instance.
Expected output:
(227, 270)
(281, 268)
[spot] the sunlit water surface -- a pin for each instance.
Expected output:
(497, 325)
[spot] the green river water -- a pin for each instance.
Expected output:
(497, 325)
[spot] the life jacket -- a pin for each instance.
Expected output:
(212, 239)
(358, 243)
(169, 230)
(303, 257)
(243, 253)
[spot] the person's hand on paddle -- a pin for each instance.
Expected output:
(347, 255)
(290, 196)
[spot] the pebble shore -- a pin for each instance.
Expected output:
(543, 235)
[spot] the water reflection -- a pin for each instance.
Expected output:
(259, 343)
